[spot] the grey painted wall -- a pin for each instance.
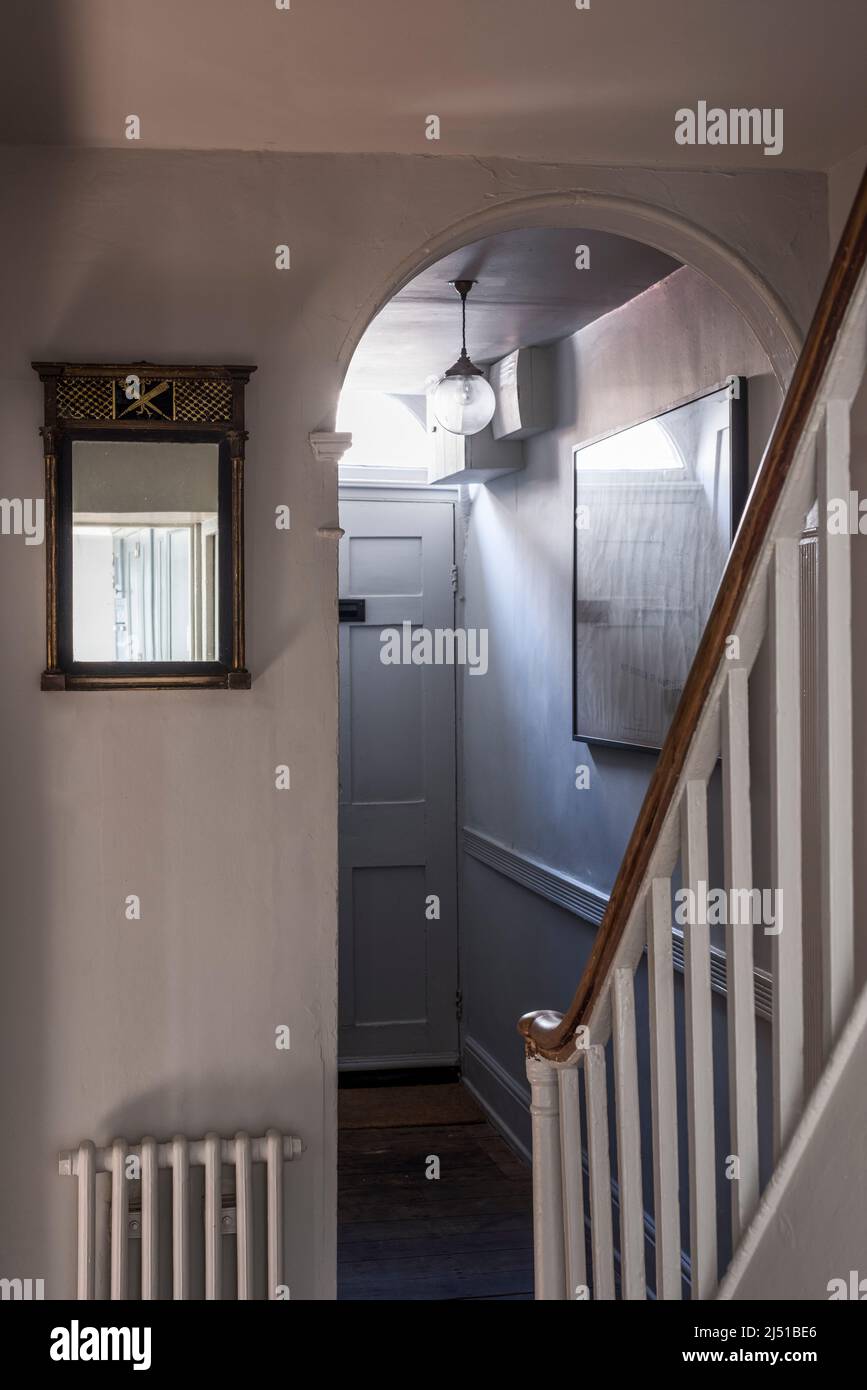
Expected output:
(109, 1027)
(518, 758)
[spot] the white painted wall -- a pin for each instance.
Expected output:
(810, 1231)
(111, 1027)
(843, 181)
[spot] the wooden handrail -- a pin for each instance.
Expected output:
(548, 1034)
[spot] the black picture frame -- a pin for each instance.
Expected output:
(737, 486)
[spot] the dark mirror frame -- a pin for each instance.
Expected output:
(194, 405)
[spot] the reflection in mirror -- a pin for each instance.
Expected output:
(145, 551)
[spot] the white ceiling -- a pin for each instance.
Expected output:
(531, 78)
(529, 292)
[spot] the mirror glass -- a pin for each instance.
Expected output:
(145, 551)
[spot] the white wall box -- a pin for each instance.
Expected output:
(523, 385)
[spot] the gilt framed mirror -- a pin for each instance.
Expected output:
(144, 533)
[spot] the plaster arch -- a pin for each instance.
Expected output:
(748, 291)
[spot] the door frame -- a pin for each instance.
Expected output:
(379, 491)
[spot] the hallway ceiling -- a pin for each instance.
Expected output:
(529, 292)
(536, 79)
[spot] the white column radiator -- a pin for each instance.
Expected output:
(135, 1212)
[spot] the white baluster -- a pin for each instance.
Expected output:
(601, 1235)
(785, 776)
(699, 1048)
(632, 1277)
(573, 1181)
(663, 1090)
(740, 990)
(835, 724)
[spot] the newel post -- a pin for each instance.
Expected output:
(549, 1255)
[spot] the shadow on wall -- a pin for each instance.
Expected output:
(186, 1107)
(40, 41)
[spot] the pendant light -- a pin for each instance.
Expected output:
(464, 399)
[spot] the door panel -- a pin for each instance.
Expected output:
(390, 956)
(398, 970)
(387, 723)
(385, 564)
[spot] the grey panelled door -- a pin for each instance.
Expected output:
(398, 962)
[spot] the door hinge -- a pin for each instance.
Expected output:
(454, 579)
(459, 1005)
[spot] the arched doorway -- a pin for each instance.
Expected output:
(667, 231)
(531, 869)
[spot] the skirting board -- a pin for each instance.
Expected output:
(589, 904)
(410, 1059)
(504, 1100)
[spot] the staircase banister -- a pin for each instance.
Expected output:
(546, 1033)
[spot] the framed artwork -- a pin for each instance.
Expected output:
(656, 507)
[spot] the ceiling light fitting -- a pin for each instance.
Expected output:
(464, 400)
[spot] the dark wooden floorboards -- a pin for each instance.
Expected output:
(403, 1236)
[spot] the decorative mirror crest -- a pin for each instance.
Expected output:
(144, 506)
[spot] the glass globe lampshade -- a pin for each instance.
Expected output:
(464, 401)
